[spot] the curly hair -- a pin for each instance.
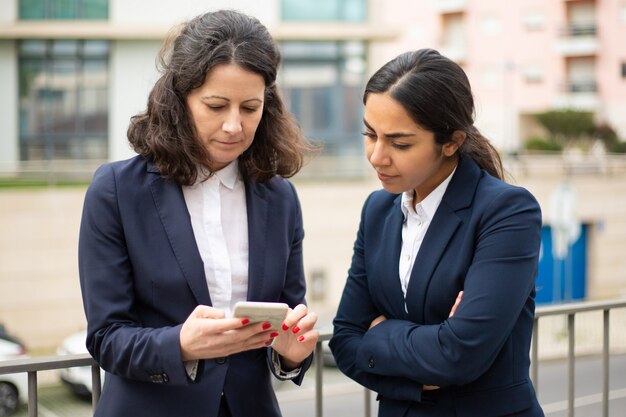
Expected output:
(165, 133)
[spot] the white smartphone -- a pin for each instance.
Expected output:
(259, 311)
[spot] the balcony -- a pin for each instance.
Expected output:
(581, 95)
(596, 330)
(578, 40)
(449, 6)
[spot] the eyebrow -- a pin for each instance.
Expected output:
(227, 99)
(393, 135)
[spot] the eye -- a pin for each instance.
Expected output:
(401, 146)
(250, 109)
(368, 134)
(215, 107)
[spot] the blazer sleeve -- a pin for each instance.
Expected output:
(116, 338)
(354, 315)
(497, 286)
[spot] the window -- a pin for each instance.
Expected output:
(322, 83)
(491, 25)
(63, 99)
(533, 74)
(63, 9)
(534, 20)
(324, 10)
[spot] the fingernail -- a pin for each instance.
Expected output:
(269, 342)
(301, 339)
(285, 327)
(273, 334)
(296, 329)
(245, 321)
(266, 326)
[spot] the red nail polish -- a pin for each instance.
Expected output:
(296, 330)
(273, 334)
(266, 326)
(301, 339)
(285, 327)
(269, 342)
(245, 321)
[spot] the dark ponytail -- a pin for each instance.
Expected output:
(436, 93)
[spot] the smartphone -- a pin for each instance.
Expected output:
(259, 311)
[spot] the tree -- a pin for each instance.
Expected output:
(566, 125)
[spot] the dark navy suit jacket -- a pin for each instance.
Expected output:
(142, 275)
(484, 239)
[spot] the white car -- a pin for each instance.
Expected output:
(13, 387)
(78, 379)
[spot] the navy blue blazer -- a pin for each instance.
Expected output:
(484, 239)
(141, 276)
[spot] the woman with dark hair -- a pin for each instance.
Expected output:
(202, 218)
(437, 311)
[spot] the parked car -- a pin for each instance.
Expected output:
(78, 378)
(13, 387)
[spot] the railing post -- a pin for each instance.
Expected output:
(534, 356)
(319, 363)
(96, 385)
(32, 393)
(570, 364)
(605, 365)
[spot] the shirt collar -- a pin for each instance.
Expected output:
(229, 175)
(430, 204)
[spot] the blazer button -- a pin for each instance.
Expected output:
(220, 361)
(370, 364)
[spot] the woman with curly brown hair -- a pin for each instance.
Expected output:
(202, 218)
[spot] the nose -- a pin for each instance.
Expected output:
(232, 124)
(378, 155)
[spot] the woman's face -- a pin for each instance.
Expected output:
(404, 155)
(226, 110)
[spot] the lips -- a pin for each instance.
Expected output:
(384, 177)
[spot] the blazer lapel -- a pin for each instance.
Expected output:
(442, 227)
(170, 204)
(446, 221)
(392, 289)
(256, 202)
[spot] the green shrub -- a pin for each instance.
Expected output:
(542, 144)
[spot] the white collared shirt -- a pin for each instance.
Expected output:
(215, 206)
(219, 220)
(416, 222)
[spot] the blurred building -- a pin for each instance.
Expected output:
(74, 71)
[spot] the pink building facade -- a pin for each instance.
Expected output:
(522, 56)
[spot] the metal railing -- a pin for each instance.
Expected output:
(570, 310)
(33, 365)
(47, 363)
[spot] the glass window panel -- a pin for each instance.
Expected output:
(63, 9)
(322, 83)
(65, 48)
(33, 47)
(324, 10)
(96, 48)
(63, 100)
(95, 9)
(32, 9)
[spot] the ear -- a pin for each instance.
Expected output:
(450, 148)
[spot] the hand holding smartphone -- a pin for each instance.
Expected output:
(259, 311)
